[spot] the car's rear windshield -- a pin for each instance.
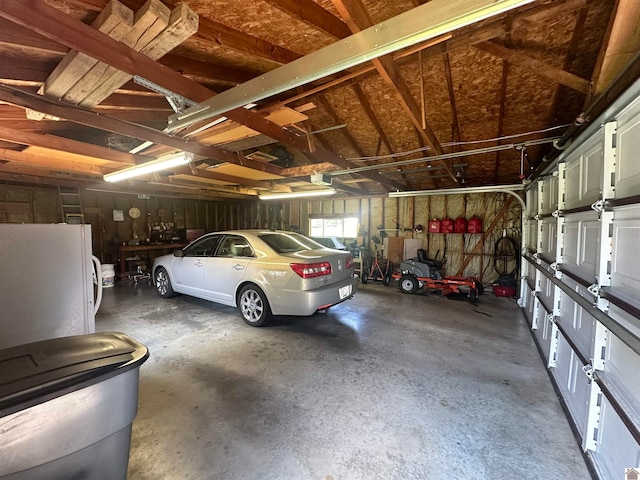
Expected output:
(288, 242)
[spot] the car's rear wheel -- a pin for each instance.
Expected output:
(163, 283)
(253, 306)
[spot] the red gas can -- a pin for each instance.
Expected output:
(446, 226)
(434, 226)
(475, 225)
(460, 225)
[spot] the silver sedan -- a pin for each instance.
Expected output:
(261, 272)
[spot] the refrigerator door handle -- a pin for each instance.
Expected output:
(98, 270)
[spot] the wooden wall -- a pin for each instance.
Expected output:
(379, 217)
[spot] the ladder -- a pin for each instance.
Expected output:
(71, 205)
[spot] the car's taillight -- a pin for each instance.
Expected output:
(310, 270)
(349, 262)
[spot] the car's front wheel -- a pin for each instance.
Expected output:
(163, 283)
(253, 306)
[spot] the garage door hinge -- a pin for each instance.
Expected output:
(594, 290)
(588, 371)
(555, 214)
(551, 318)
(554, 266)
(598, 206)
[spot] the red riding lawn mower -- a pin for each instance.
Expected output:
(424, 273)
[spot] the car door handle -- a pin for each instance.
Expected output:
(237, 266)
(198, 263)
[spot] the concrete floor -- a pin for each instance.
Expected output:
(384, 386)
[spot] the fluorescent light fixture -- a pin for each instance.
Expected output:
(287, 195)
(161, 163)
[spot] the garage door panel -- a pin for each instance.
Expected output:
(548, 237)
(549, 196)
(625, 261)
(616, 449)
(622, 367)
(627, 148)
(625, 319)
(573, 382)
(581, 244)
(575, 321)
(532, 240)
(544, 330)
(545, 291)
(528, 302)
(584, 173)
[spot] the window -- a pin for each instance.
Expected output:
(346, 227)
(203, 247)
(234, 246)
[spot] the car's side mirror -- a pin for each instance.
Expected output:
(178, 253)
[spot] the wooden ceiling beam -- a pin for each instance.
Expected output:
(536, 66)
(18, 173)
(110, 124)
(204, 173)
(457, 40)
(205, 70)
(48, 21)
(455, 125)
(66, 145)
(503, 106)
(322, 100)
(621, 43)
(309, 12)
(366, 106)
(305, 170)
(216, 33)
(356, 16)
(43, 161)
(18, 38)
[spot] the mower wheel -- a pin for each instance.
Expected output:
(408, 283)
(473, 295)
(386, 280)
(364, 278)
(480, 288)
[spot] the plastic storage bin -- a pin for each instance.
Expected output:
(67, 405)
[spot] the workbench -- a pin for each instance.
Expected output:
(160, 247)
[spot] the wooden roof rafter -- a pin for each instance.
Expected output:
(48, 21)
(438, 47)
(216, 33)
(557, 75)
(309, 12)
(358, 19)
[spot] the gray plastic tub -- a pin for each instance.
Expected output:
(67, 405)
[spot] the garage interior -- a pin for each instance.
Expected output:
(518, 116)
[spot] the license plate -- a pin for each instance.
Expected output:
(345, 291)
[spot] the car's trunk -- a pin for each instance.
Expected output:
(337, 259)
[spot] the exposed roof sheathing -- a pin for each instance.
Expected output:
(525, 71)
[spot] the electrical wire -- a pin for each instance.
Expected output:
(454, 144)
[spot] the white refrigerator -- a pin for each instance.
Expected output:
(48, 285)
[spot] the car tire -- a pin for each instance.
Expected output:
(364, 278)
(386, 280)
(163, 283)
(254, 307)
(408, 283)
